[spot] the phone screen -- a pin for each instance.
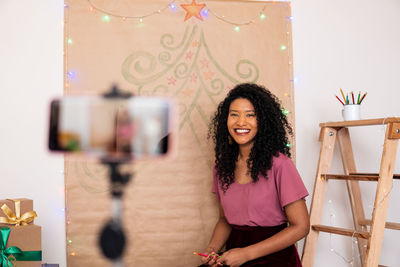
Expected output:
(112, 127)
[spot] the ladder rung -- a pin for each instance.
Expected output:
(395, 176)
(340, 231)
(388, 225)
(351, 177)
(356, 176)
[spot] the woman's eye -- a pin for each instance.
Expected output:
(251, 115)
(234, 115)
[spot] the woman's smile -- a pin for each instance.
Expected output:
(242, 131)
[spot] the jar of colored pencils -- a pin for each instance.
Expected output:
(351, 105)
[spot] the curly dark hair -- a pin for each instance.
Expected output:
(271, 137)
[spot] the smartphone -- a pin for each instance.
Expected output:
(133, 127)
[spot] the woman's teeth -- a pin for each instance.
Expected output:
(242, 130)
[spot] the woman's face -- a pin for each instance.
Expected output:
(242, 121)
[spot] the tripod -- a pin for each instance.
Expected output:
(112, 239)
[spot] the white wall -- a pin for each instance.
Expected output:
(348, 44)
(353, 45)
(31, 70)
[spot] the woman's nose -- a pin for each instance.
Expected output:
(242, 120)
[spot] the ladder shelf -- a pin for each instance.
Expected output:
(369, 233)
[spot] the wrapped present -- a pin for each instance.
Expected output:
(16, 212)
(21, 246)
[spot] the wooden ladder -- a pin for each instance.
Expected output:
(369, 241)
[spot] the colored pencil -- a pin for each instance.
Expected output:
(352, 96)
(205, 255)
(343, 95)
(362, 98)
(347, 99)
(358, 100)
(339, 100)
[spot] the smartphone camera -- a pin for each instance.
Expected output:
(134, 127)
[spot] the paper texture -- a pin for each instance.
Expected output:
(169, 210)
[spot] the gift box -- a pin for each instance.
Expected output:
(16, 212)
(21, 246)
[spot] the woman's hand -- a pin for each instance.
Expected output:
(233, 257)
(211, 260)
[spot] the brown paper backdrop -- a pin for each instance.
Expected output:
(169, 211)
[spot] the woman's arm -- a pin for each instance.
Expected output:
(299, 226)
(220, 235)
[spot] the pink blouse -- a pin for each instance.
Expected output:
(262, 203)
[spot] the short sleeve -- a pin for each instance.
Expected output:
(289, 183)
(215, 184)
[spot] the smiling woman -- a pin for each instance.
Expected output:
(260, 192)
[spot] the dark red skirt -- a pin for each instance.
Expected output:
(243, 236)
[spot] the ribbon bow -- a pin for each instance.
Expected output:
(16, 218)
(8, 256)
(7, 253)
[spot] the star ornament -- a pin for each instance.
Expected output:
(193, 10)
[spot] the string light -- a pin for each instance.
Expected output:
(172, 6)
(237, 29)
(250, 21)
(204, 13)
(285, 111)
(290, 74)
(109, 13)
(332, 249)
(69, 41)
(106, 18)
(71, 74)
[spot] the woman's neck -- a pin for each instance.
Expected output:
(244, 151)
